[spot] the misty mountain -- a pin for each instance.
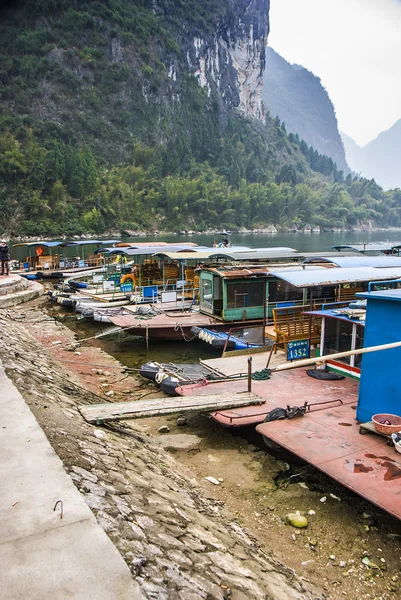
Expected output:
(298, 98)
(380, 159)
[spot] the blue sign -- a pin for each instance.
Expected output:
(298, 349)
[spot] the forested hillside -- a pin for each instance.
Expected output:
(298, 97)
(130, 114)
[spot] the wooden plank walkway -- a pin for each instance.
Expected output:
(97, 413)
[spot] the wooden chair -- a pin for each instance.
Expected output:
(291, 323)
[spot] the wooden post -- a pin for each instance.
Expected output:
(250, 374)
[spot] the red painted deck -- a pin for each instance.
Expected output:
(329, 439)
(292, 387)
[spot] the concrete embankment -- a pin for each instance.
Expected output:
(51, 544)
(177, 543)
(17, 290)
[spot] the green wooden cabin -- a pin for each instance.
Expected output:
(236, 294)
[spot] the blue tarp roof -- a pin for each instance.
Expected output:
(311, 278)
(358, 261)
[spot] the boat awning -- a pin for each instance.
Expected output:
(368, 247)
(129, 251)
(335, 314)
(45, 244)
(157, 244)
(66, 243)
(259, 254)
(357, 261)
(198, 256)
(314, 277)
(88, 242)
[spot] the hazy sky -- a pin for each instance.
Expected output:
(354, 46)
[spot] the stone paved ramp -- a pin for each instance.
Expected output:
(41, 555)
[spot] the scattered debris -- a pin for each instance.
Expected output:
(302, 484)
(213, 480)
(369, 563)
(323, 499)
(164, 429)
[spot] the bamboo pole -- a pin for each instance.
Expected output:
(310, 361)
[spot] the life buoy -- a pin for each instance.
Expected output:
(128, 279)
(39, 251)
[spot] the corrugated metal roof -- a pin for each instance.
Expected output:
(358, 261)
(310, 278)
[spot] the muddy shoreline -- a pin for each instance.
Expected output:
(182, 537)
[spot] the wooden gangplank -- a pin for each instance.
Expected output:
(115, 411)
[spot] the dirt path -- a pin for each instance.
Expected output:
(342, 531)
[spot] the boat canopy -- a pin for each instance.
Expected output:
(315, 277)
(156, 244)
(88, 242)
(259, 254)
(371, 247)
(130, 251)
(334, 314)
(65, 243)
(198, 256)
(45, 244)
(357, 261)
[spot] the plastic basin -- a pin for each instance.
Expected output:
(395, 421)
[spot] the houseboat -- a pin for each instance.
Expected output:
(351, 442)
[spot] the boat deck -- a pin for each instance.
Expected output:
(329, 440)
(227, 366)
(292, 388)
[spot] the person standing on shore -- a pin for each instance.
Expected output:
(4, 257)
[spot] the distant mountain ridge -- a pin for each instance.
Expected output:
(380, 159)
(298, 98)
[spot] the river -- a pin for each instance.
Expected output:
(303, 242)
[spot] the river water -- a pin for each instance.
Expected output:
(303, 242)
